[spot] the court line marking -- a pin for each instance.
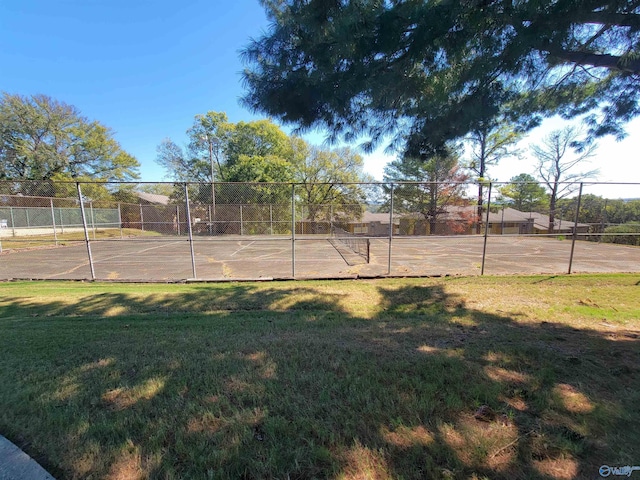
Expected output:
(86, 263)
(137, 252)
(239, 250)
(551, 252)
(71, 270)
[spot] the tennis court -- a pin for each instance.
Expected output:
(311, 256)
(508, 255)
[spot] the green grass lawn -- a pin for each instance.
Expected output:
(372, 379)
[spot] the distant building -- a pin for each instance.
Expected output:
(509, 221)
(452, 220)
(152, 213)
(461, 220)
(375, 225)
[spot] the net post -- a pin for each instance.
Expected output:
(189, 231)
(486, 230)
(575, 229)
(390, 229)
(86, 231)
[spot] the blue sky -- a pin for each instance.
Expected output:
(143, 68)
(146, 68)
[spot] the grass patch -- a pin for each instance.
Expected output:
(344, 379)
(70, 238)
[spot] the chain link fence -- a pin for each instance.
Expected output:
(241, 231)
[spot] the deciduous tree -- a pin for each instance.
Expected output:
(556, 165)
(203, 157)
(597, 210)
(42, 139)
(524, 193)
(260, 152)
(223, 151)
(327, 181)
(437, 185)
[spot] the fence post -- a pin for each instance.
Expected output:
(604, 219)
(120, 219)
(210, 222)
(486, 230)
(188, 212)
(271, 219)
(178, 220)
(293, 230)
(93, 220)
(213, 199)
(53, 220)
(241, 227)
(86, 232)
(13, 223)
(390, 231)
(575, 229)
(141, 219)
(61, 221)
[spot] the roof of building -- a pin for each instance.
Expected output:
(506, 215)
(153, 198)
(383, 218)
(539, 220)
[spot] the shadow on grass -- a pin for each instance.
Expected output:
(287, 383)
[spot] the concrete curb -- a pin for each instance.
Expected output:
(17, 465)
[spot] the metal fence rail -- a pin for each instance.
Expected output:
(176, 232)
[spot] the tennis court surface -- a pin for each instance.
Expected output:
(239, 257)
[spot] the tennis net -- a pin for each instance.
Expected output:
(358, 245)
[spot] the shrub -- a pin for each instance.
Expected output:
(626, 234)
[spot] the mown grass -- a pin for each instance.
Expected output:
(69, 238)
(347, 379)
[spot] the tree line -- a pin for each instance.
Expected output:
(49, 142)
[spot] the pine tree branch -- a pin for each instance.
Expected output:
(612, 62)
(608, 18)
